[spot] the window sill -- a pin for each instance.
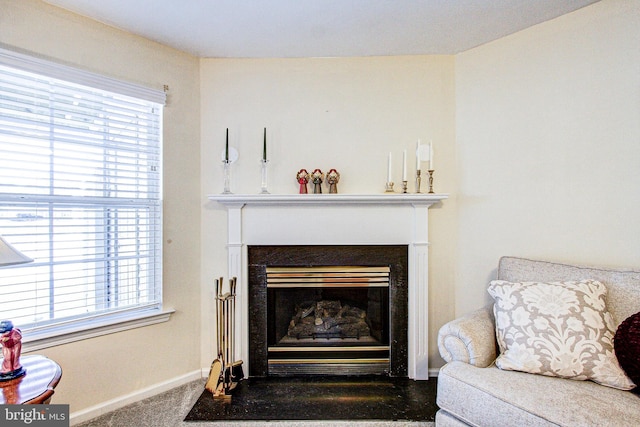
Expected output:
(77, 331)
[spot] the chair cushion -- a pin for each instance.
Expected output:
(560, 329)
(493, 397)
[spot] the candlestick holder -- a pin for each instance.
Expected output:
(263, 185)
(418, 180)
(430, 171)
(388, 188)
(404, 186)
(227, 177)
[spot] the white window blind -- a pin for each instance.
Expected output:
(80, 193)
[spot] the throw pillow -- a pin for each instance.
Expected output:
(560, 329)
(626, 343)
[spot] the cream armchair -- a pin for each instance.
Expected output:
(472, 391)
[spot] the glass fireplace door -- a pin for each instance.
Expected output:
(328, 320)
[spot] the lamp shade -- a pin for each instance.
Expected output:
(10, 255)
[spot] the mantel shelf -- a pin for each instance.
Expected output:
(331, 199)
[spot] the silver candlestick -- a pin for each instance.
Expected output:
(418, 180)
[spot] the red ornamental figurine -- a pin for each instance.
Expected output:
(11, 339)
(303, 178)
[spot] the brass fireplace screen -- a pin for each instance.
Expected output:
(328, 319)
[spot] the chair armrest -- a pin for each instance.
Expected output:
(470, 339)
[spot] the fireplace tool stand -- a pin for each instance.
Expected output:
(225, 371)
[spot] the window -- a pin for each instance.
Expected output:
(80, 193)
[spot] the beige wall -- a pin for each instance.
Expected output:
(100, 369)
(548, 144)
(342, 113)
(545, 134)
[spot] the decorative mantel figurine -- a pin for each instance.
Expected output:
(11, 339)
(317, 177)
(333, 176)
(303, 178)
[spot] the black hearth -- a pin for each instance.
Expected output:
(328, 310)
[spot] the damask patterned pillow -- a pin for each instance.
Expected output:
(560, 329)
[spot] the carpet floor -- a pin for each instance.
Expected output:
(374, 398)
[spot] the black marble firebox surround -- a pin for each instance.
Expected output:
(395, 256)
(322, 398)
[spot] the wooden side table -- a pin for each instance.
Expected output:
(36, 386)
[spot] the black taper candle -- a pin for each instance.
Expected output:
(226, 148)
(264, 146)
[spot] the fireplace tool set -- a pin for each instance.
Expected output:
(225, 371)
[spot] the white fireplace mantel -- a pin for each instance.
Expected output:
(321, 199)
(335, 219)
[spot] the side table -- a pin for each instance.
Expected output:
(36, 386)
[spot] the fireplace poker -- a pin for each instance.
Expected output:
(228, 323)
(222, 325)
(224, 351)
(231, 328)
(233, 320)
(227, 344)
(236, 366)
(219, 320)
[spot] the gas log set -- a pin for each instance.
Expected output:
(328, 319)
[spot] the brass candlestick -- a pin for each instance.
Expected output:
(388, 188)
(418, 180)
(404, 186)
(430, 171)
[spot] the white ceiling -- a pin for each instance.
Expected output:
(321, 28)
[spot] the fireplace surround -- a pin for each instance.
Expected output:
(334, 219)
(361, 291)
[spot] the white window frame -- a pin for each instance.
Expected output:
(109, 322)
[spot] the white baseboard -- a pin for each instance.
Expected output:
(122, 401)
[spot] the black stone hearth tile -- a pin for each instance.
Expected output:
(322, 398)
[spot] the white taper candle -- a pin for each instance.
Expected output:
(431, 156)
(404, 165)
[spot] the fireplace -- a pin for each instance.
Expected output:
(328, 309)
(331, 220)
